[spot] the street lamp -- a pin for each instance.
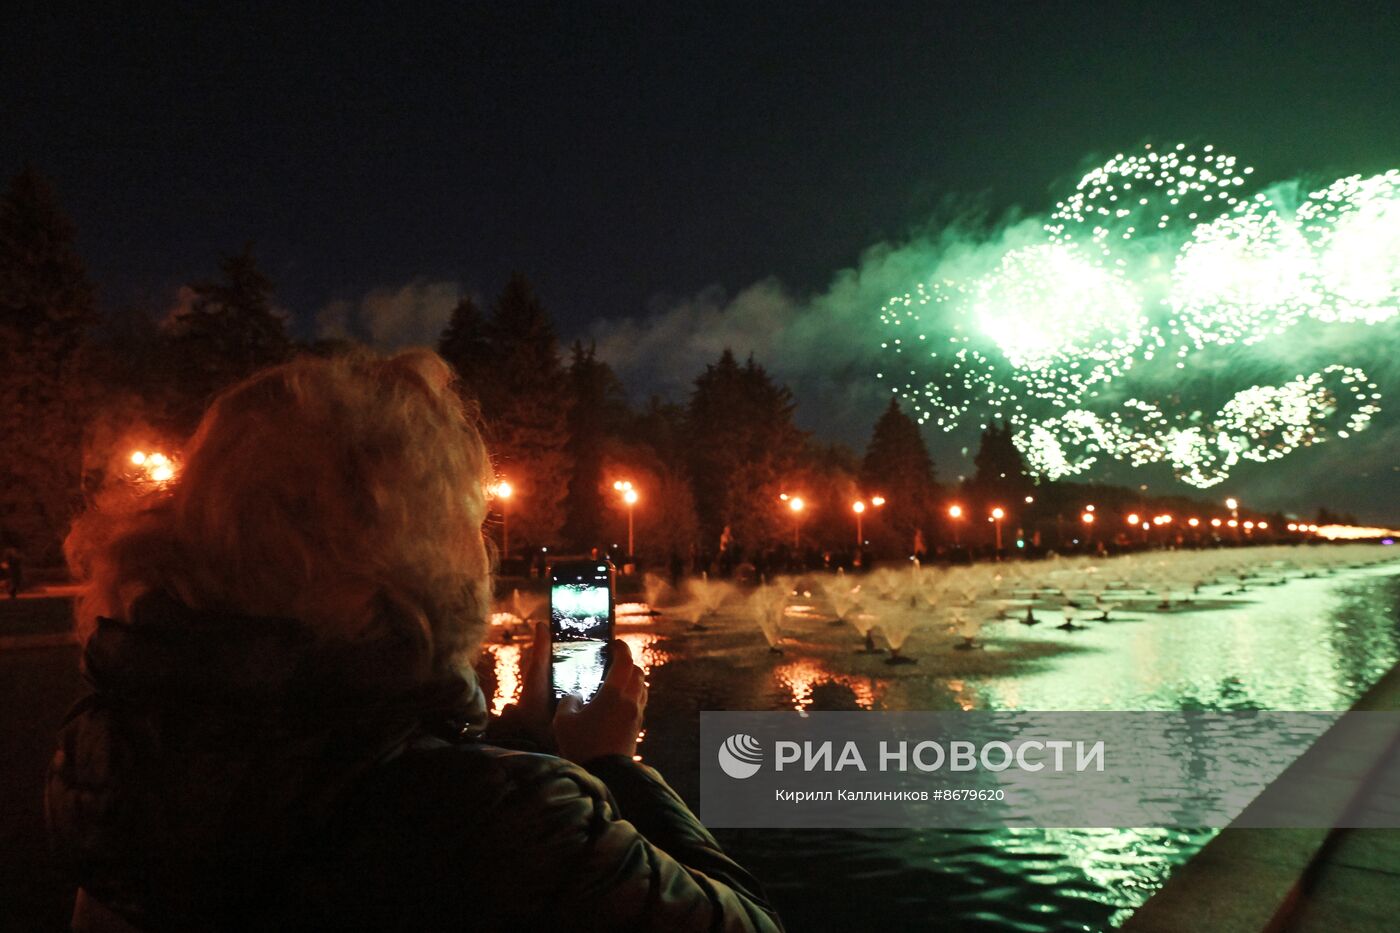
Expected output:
(501, 492)
(955, 512)
(998, 514)
(156, 467)
(796, 505)
(629, 499)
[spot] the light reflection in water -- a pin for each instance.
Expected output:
(507, 660)
(803, 677)
(1312, 644)
(646, 650)
(633, 614)
(506, 668)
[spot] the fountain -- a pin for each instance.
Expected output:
(897, 623)
(655, 588)
(707, 596)
(841, 595)
(965, 624)
(1068, 624)
(523, 607)
(767, 606)
(864, 624)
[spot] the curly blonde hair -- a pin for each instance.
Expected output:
(346, 493)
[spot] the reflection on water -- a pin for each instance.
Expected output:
(807, 681)
(506, 668)
(1312, 644)
(646, 649)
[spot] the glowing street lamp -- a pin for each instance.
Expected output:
(795, 505)
(157, 467)
(629, 498)
(501, 491)
(859, 507)
(998, 514)
(1133, 518)
(955, 514)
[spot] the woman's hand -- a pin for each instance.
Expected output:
(529, 718)
(609, 723)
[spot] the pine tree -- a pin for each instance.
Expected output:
(897, 466)
(743, 443)
(1000, 471)
(46, 307)
(466, 344)
(599, 409)
(525, 404)
(229, 331)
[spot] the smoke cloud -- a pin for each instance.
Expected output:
(392, 318)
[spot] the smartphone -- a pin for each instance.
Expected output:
(581, 616)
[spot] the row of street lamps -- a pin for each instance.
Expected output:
(501, 491)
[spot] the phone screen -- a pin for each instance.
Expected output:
(581, 626)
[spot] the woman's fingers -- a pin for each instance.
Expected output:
(537, 663)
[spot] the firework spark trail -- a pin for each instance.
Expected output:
(1049, 338)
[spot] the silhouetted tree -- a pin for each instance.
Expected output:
(229, 331)
(466, 344)
(1000, 472)
(598, 413)
(46, 307)
(897, 465)
(525, 404)
(743, 442)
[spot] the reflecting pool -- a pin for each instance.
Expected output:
(1290, 641)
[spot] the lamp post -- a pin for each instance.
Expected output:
(629, 499)
(153, 467)
(998, 514)
(955, 514)
(502, 492)
(859, 507)
(796, 505)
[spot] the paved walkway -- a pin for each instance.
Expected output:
(1298, 880)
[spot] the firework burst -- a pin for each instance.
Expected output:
(1159, 255)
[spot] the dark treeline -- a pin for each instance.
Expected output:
(81, 389)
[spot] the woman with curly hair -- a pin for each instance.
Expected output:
(283, 730)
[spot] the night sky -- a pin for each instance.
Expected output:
(652, 163)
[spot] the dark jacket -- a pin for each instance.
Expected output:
(227, 774)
